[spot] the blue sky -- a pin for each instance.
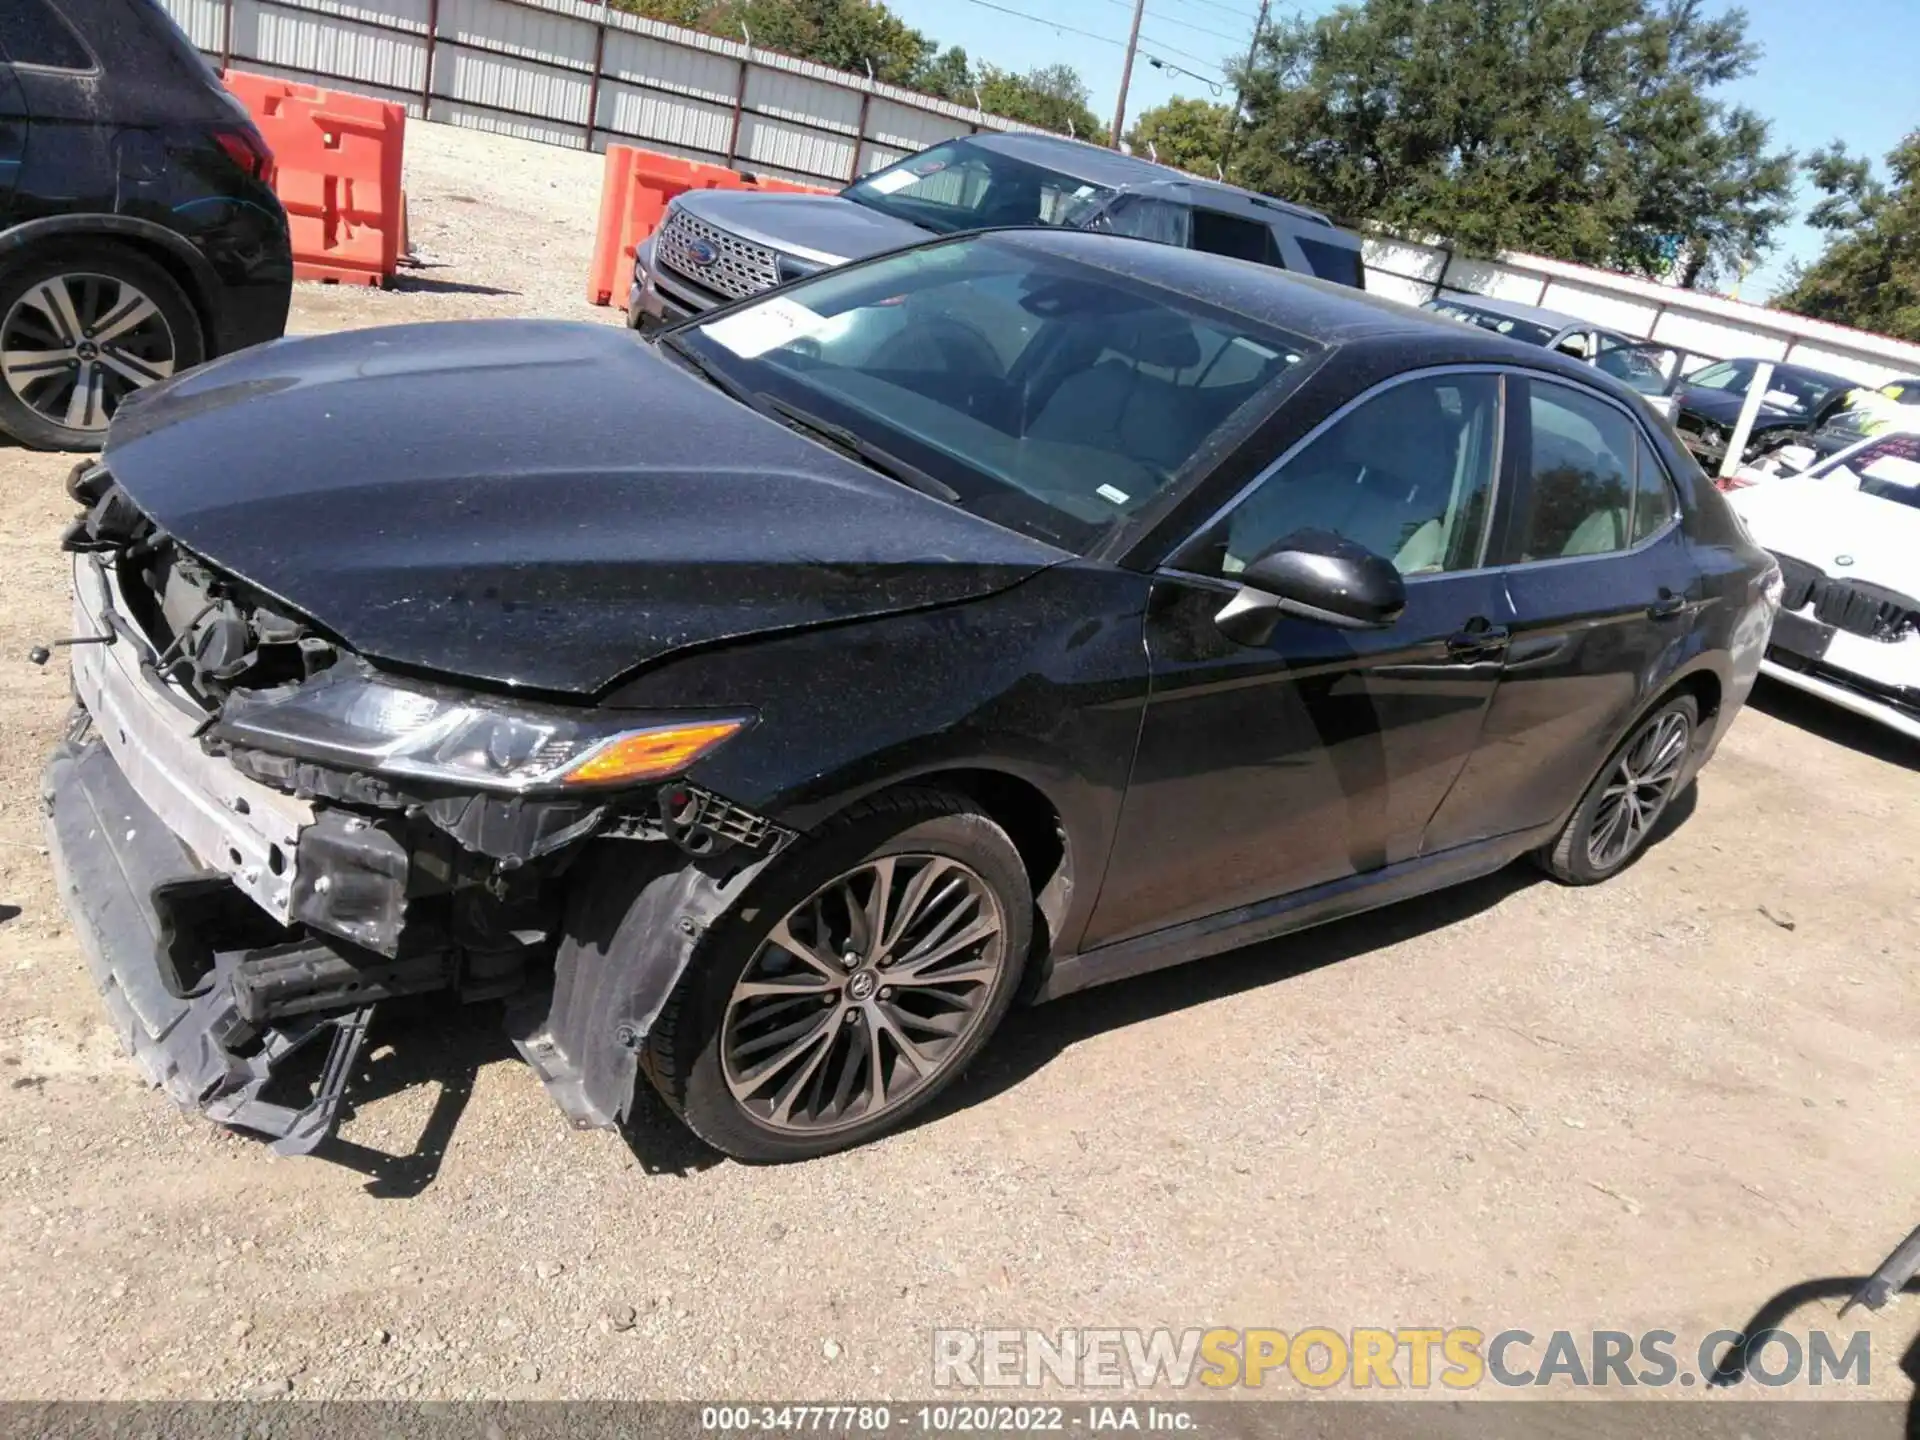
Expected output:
(1831, 68)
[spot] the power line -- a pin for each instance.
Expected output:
(1059, 25)
(1183, 54)
(1176, 20)
(1232, 10)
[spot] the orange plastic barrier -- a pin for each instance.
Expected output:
(635, 188)
(337, 160)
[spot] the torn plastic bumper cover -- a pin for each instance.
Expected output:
(128, 884)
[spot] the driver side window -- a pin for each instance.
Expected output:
(1407, 473)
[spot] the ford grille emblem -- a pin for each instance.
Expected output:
(1843, 560)
(701, 253)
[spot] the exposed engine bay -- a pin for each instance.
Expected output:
(365, 886)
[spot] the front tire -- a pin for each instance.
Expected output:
(1610, 826)
(79, 332)
(852, 986)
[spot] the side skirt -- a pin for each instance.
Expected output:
(1284, 914)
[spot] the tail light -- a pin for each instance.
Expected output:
(245, 147)
(1736, 481)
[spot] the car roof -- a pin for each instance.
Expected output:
(1513, 310)
(1800, 372)
(1312, 309)
(1100, 166)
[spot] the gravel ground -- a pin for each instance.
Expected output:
(1653, 1104)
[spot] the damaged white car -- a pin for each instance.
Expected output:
(1847, 535)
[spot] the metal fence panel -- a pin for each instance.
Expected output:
(697, 74)
(518, 30)
(266, 33)
(694, 129)
(779, 95)
(877, 157)
(204, 21)
(399, 14)
(905, 129)
(806, 153)
(453, 112)
(524, 89)
(409, 98)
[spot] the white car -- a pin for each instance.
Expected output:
(1847, 536)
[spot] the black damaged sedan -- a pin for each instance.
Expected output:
(766, 709)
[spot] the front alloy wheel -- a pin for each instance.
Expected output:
(850, 983)
(860, 995)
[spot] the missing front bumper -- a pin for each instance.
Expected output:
(122, 875)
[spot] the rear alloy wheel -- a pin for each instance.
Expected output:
(880, 961)
(78, 336)
(1626, 801)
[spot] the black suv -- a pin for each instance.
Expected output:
(139, 231)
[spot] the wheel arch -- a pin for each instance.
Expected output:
(173, 253)
(1020, 805)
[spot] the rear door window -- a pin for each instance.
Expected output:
(1332, 262)
(1654, 505)
(1576, 494)
(1218, 233)
(32, 33)
(1147, 219)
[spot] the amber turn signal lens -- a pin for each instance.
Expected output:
(649, 754)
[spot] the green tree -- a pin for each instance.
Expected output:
(1868, 276)
(1053, 97)
(1187, 134)
(1582, 129)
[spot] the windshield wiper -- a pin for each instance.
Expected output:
(717, 378)
(886, 462)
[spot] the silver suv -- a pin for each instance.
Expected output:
(716, 246)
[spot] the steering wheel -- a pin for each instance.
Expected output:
(961, 349)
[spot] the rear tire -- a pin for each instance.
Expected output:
(766, 1075)
(80, 330)
(1610, 826)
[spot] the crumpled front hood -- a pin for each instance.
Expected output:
(531, 503)
(1723, 408)
(818, 227)
(1826, 523)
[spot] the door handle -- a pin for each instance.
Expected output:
(1477, 636)
(1667, 606)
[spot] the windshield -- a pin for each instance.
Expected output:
(1888, 468)
(1049, 395)
(1798, 392)
(963, 186)
(1648, 368)
(1524, 331)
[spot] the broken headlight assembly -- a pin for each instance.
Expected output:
(361, 720)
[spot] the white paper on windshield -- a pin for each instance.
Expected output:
(1895, 470)
(765, 327)
(891, 181)
(1113, 493)
(1783, 399)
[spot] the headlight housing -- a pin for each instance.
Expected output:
(792, 267)
(366, 721)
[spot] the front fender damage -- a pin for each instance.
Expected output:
(635, 922)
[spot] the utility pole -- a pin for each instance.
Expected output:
(1240, 88)
(1126, 72)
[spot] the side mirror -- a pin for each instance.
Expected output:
(1313, 575)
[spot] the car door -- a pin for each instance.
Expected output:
(13, 136)
(1603, 596)
(1265, 770)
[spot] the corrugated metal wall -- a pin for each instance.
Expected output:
(572, 72)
